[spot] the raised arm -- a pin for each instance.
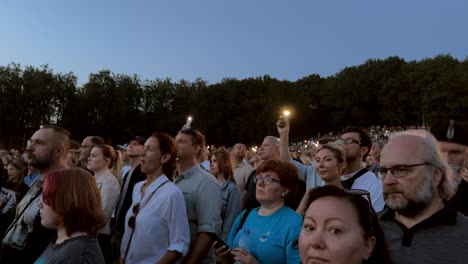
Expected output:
(283, 130)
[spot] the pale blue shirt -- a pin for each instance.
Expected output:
(308, 174)
(369, 182)
(161, 223)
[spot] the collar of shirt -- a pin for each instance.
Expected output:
(240, 165)
(445, 216)
(196, 168)
(154, 185)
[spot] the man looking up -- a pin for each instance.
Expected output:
(202, 196)
(242, 170)
(357, 145)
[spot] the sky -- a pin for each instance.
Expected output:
(217, 39)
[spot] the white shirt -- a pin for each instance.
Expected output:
(161, 223)
(110, 189)
(369, 182)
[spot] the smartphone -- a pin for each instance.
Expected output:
(219, 240)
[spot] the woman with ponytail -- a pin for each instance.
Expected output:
(103, 158)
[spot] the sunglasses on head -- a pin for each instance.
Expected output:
(365, 194)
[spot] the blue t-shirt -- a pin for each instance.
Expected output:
(270, 239)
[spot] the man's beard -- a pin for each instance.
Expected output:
(41, 164)
(413, 205)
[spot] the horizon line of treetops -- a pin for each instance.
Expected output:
(387, 91)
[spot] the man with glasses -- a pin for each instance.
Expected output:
(453, 143)
(419, 224)
(202, 196)
(357, 145)
(85, 149)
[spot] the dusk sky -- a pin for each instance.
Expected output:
(226, 39)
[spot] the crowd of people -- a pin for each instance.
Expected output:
(376, 195)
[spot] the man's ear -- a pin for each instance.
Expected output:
(437, 176)
(165, 158)
(60, 151)
(364, 150)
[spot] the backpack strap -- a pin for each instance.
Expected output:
(348, 184)
(244, 217)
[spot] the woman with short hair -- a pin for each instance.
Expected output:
(269, 233)
(71, 204)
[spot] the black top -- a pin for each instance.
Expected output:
(441, 238)
(460, 200)
(135, 177)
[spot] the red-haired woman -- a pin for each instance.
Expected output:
(103, 158)
(221, 167)
(268, 234)
(71, 204)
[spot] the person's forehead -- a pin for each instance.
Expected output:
(152, 142)
(402, 150)
(134, 142)
(324, 152)
(183, 136)
(268, 173)
(86, 141)
(44, 134)
(450, 146)
(332, 207)
(353, 135)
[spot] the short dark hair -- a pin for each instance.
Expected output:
(63, 139)
(197, 137)
(167, 145)
(288, 176)
(367, 218)
(363, 137)
(96, 140)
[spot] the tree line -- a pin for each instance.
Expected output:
(390, 91)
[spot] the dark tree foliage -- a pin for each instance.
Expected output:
(115, 106)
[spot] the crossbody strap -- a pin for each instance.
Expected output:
(133, 229)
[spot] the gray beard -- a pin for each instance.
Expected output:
(418, 203)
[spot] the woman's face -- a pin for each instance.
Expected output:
(97, 161)
(49, 218)
(13, 172)
(272, 192)
(331, 233)
(328, 167)
(214, 169)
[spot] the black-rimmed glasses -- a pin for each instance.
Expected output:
(132, 219)
(399, 170)
(347, 141)
(266, 179)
